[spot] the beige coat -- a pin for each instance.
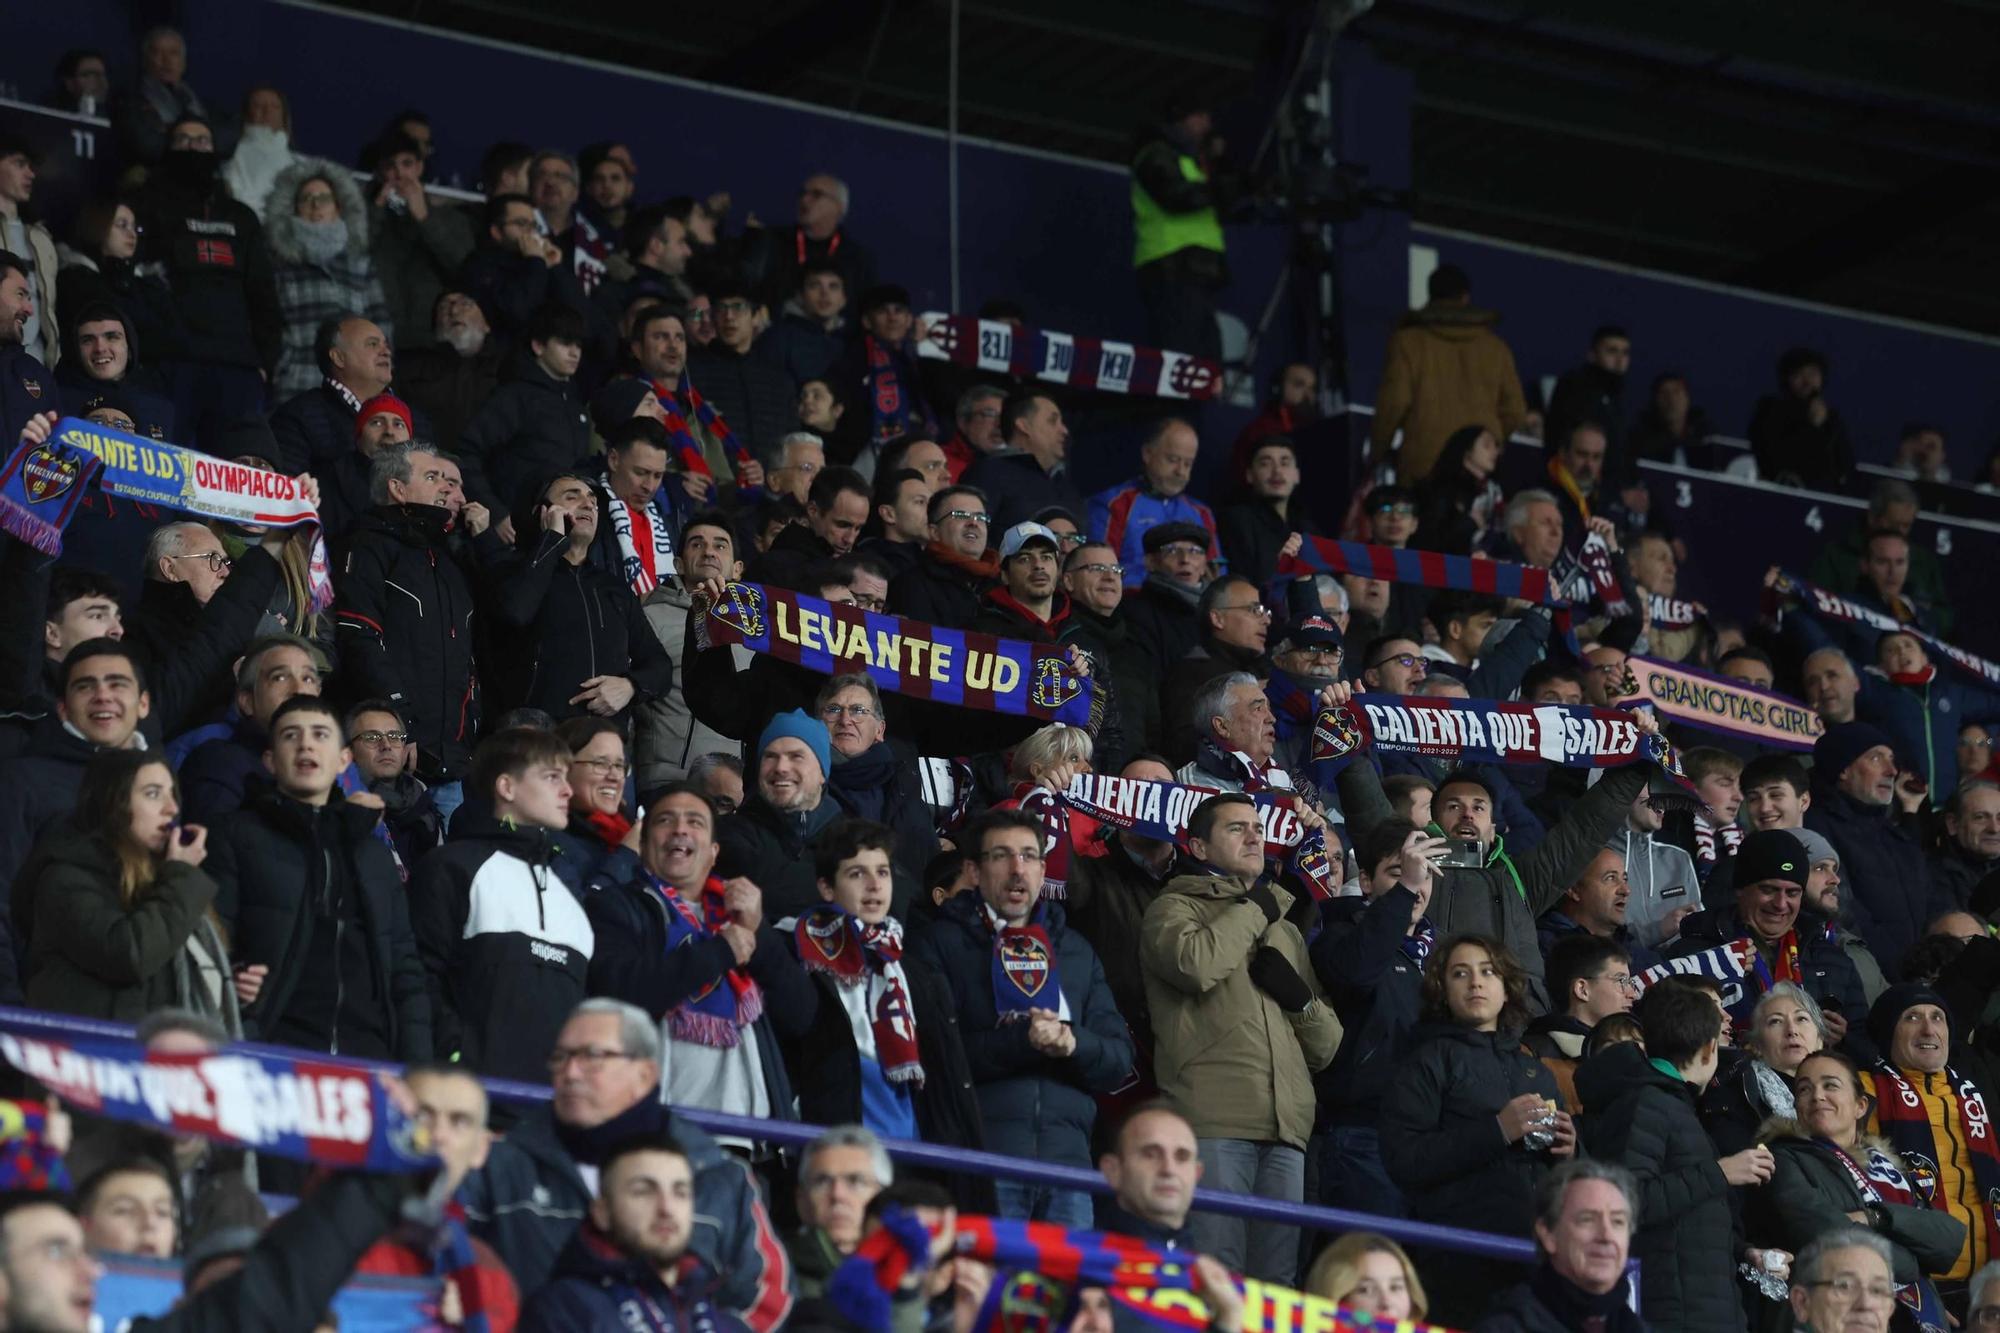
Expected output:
(1446, 369)
(1224, 1051)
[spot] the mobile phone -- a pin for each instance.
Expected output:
(1464, 852)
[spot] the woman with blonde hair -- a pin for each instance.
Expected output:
(1369, 1274)
(1041, 769)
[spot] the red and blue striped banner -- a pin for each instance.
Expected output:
(920, 661)
(296, 1107)
(1429, 569)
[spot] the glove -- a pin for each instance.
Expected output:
(1268, 901)
(1276, 977)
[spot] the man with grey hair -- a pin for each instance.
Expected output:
(403, 618)
(820, 233)
(1971, 848)
(1236, 735)
(1844, 1283)
(553, 185)
(798, 458)
(1534, 526)
(143, 114)
(536, 1186)
(196, 610)
(1585, 1215)
(842, 1170)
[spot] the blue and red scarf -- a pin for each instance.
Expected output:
(1879, 1179)
(1025, 974)
(715, 1017)
(458, 1264)
(687, 446)
(889, 404)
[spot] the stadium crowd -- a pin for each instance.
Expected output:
(504, 808)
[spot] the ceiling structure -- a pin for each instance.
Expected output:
(1842, 151)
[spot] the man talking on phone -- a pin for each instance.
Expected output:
(1481, 888)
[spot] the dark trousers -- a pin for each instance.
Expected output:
(1180, 314)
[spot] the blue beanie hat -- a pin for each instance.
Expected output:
(799, 726)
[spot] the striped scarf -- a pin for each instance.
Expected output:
(685, 443)
(716, 1016)
(1904, 1118)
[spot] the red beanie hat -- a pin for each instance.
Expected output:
(385, 402)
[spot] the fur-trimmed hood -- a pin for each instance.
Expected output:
(281, 219)
(1789, 1127)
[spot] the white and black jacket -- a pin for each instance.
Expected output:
(505, 944)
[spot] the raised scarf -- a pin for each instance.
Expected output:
(1418, 944)
(1024, 966)
(1708, 837)
(855, 953)
(1062, 358)
(1672, 612)
(1819, 602)
(28, 1161)
(1058, 838)
(645, 549)
(41, 486)
(456, 1262)
(1904, 1120)
(687, 446)
(1879, 1180)
(888, 400)
(716, 1016)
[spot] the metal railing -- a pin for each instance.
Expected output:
(960, 1161)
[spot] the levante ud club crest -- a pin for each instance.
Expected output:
(1335, 735)
(743, 607)
(48, 473)
(1026, 962)
(1056, 683)
(827, 933)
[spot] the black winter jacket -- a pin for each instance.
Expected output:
(1017, 487)
(529, 1198)
(314, 427)
(509, 286)
(1639, 1116)
(1522, 1309)
(774, 851)
(1828, 972)
(38, 789)
(269, 861)
(213, 253)
(938, 591)
(1440, 1125)
(1163, 629)
(190, 648)
(1887, 895)
(826, 1062)
(579, 621)
(1033, 1105)
(1811, 1193)
(447, 387)
(532, 426)
(795, 552)
(1253, 531)
(290, 1277)
(753, 396)
(405, 630)
(582, 1295)
(1108, 897)
(1377, 991)
(505, 944)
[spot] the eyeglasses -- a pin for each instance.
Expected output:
(976, 515)
(1408, 661)
(859, 712)
(853, 1181)
(1072, 538)
(381, 737)
(316, 197)
(699, 315)
(1399, 510)
(1257, 609)
(870, 602)
(217, 561)
(1624, 981)
(724, 805)
(606, 768)
(1000, 856)
(732, 307)
(1117, 571)
(1849, 1289)
(983, 414)
(592, 1058)
(1184, 551)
